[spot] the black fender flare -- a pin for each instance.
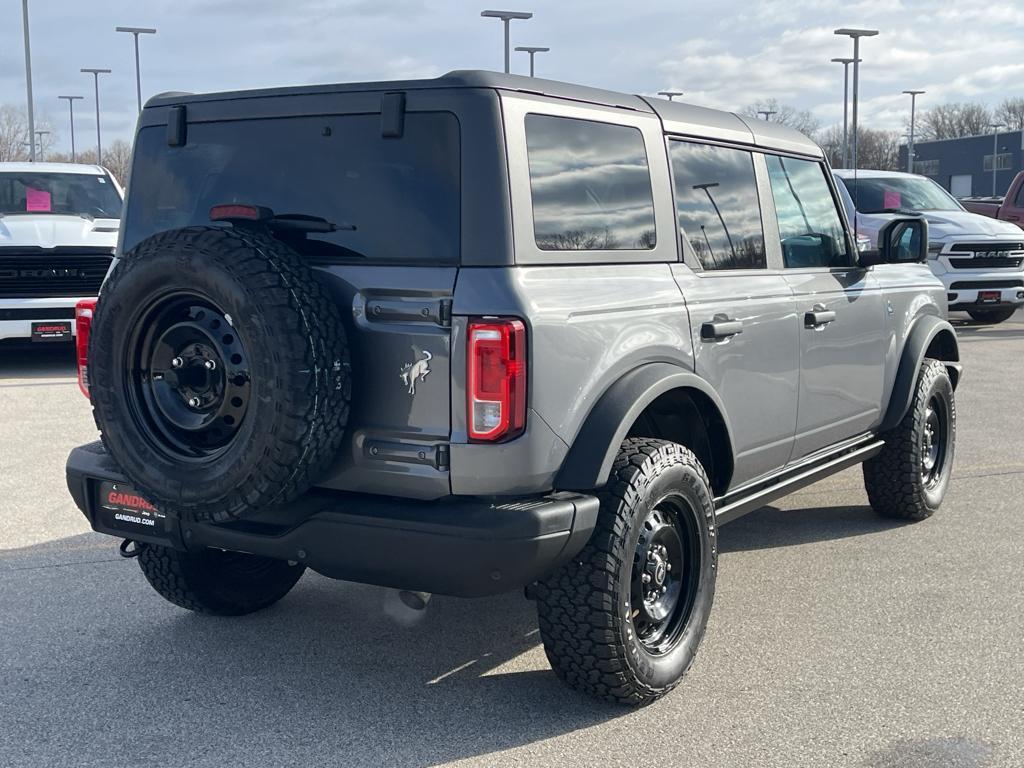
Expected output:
(923, 333)
(590, 458)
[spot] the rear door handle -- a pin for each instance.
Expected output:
(819, 318)
(717, 330)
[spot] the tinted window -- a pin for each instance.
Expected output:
(591, 185)
(716, 199)
(402, 194)
(1020, 196)
(80, 194)
(809, 225)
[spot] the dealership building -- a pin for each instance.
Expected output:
(964, 166)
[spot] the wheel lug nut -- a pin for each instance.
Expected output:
(210, 365)
(177, 362)
(668, 566)
(646, 578)
(194, 402)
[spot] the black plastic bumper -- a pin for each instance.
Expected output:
(458, 546)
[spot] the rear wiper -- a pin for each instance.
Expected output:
(258, 214)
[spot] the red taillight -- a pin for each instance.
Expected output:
(496, 380)
(229, 211)
(83, 323)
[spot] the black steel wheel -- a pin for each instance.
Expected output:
(622, 621)
(190, 383)
(909, 478)
(219, 372)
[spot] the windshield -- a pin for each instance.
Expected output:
(78, 194)
(905, 193)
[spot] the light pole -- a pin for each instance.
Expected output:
(506, 17)
(39, 140)
(856, 34)
(135, 32)
(767, 113)
(71, 114)
(995, 152)
(28, 85)
(532, 49)
(707, 190)
(670, 95)
(96, 82)
(846, 102)
(910, 142)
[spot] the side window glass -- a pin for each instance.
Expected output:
(1020, 196)
(591, 185)
(809, 225)
(717, 205)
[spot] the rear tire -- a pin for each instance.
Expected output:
(909, 478)
(991, 316)
(608, 628)
(217, 582)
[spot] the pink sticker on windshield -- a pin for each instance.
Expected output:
(892, 199)
(37, 199)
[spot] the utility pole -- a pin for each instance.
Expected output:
(506, 17)
(531, 49)
(856, 35)
(39, 141)
(846, 104)
(910, 142)
(96, 82)
(28, 85)
(71, 114)
(135, 32)
(995, 153)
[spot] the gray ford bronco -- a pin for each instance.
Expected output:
(486, 332)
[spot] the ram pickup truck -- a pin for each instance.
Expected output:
(488, 332)
(1010, 207)
(58, 228)
(978, 259)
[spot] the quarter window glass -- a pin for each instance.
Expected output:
(717, 205)
(1020, 196)
(591, 185)
(809, 225)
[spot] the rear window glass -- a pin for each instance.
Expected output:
(79, 194)
(401, 194)
(591, 185)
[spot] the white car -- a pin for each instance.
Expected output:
(58, 229)
(980, 260)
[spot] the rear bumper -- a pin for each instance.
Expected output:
(467, 547)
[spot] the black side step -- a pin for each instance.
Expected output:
(734, 505)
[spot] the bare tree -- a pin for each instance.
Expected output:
(876, 150)
(1011, 113)
(799, 119)
(951, 121)
(117, 158)
(13, 134)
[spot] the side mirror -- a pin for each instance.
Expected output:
(904, 241)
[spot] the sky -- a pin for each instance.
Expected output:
(724, 54)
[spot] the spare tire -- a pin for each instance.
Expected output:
(219, 372)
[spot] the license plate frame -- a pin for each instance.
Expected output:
(120, 509)
(49, 331)
(989, 297)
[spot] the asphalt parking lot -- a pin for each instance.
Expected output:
(837, 638)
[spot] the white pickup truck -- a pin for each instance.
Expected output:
(58, 229)
(980, 260)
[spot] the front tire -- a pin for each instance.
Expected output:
(909, 478)
(622, 621)
(991, 316)
(217, 582)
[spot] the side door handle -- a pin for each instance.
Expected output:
(819, 317)
(720, 328)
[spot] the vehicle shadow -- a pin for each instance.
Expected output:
(334, 674)
(771, 527)
(19, 360)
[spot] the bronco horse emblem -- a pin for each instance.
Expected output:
(411, 372)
